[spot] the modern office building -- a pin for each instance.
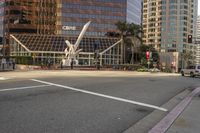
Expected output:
(66, 16)
(38, 21)
(28, 16)
(102, 13)
(167, 24)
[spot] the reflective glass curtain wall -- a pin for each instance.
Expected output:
(103, 14)
(134, 12)
(2, 5)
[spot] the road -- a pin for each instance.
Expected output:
(83, 101)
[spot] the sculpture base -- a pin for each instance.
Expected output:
(67, 62)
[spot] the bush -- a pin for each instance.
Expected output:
(143, 69)
(167, 70)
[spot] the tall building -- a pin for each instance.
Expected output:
(102, 13)
(197, 41)
(66, 16)
(27, 16)
(198, 28)
(167, 24)
(62, 18)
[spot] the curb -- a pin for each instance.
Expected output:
(146, 124)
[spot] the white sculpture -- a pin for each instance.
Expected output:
(71, 51)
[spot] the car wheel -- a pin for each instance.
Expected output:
(192, 74)
(182, 73)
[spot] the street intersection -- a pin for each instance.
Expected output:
(84, 101)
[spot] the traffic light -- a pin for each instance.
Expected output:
(147, 54)
(189, 38)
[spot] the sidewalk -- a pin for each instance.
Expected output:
(183, 118)
(189, 119)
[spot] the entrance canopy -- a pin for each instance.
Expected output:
(41, 47)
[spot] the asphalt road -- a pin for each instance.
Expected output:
(83, 102)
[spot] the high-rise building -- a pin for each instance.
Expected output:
(197, 41)
(27, 16)
(198, 28)
(102, 13)
(66, 16)
(167, 24)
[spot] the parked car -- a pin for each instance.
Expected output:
(191, 71)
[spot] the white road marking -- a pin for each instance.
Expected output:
(22, 88)
(5, 78)
(102, 95)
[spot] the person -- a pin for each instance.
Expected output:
(61, 65)
(49, 63)
(72, 63)
(13, 63)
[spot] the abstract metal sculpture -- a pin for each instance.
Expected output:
(71, 51)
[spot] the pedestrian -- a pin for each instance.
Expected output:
(72, 63)
(61, 65)
(13, 63)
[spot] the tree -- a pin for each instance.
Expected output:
(187, 57)
(122, 27)
(134, 34)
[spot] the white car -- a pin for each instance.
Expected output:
(191, 71)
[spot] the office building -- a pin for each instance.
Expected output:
(197, 41)
(43, 19)
(102, 13)
(66, 16)
(167, 24)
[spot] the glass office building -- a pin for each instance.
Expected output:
(66, 18)
(134, 11)
(102, 13)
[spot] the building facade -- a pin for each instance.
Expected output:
(198, 28)
(102, 13)
(66, 16)
(197, 41)
(167, 24)
(29, 16)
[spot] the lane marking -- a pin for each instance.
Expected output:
(5, 78)
(168, 120)
(22, 88)
(102, 95)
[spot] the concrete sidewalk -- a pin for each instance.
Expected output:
(183, 118)
(189, 119)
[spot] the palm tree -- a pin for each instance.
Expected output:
(122, 27)
(134, 34)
